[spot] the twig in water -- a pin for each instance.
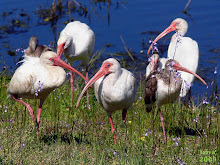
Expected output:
(77, 3)
(126, 48)
(186, 6)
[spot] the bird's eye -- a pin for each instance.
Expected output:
(108, 65)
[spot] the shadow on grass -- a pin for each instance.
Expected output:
(178, 131)
(64, 138)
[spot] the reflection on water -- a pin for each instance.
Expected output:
(133, 22)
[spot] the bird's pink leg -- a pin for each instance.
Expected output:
(179, 101)
(87, 79)
(162, 122)
(27, 106)
(71, 83)
(38, 114)
(124, 113)
(113, 129)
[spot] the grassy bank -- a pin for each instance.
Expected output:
(83, 135)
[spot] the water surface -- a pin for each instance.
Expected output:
(135, 21)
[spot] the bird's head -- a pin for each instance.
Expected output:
(178, 24)
(50, 58)
(33, 43)
(110, 65)
(173, 65)
(154, 61)
(63, 42)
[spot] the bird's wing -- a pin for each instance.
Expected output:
(150, 91)
(21, 82)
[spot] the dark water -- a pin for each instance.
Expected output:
(136, 21)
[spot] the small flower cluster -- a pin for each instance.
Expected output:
(179, 161)
(6, 108)
(215, 72)
(154, 46)
(204, 101)
(177, 75)
(57, 97)
(140, 98)
(149, 59)
(39, 89)
(88, 106)
(176, 141)
(196, 120)
(187, 85)
(66, 123)
(178, 37)
(148, 132)
(68, 74)
(204, 133)
(22, 50)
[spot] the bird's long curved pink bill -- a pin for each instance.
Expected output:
(98, 75)
(171, 28)
(58, 62)
(60, 50)
(181, 68)
(154, 64)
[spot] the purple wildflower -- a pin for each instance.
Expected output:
(204, 133)
(196, 120)
(11, 120)
(67, 125)
(180, 162)
(140, 98)
(154, 46)
(88, 106)
(39, 88)
(204, 101)
(36, 93)
(114, 153)
(68, 74)
(22, 144)
(176, 141)
(215, 72)
(22, 50)
(148, 132)
(149, 59)
(6, 108)
(187, 85)
(178, 36)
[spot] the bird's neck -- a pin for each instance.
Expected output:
(113, 77)
(178, 35)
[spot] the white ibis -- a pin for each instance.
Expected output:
(115, 89)
(164, 86)
(34, 49)
(36, 78)
(77, 41)
(183, 49)
(155, 63)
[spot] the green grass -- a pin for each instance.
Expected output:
(83, 136)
